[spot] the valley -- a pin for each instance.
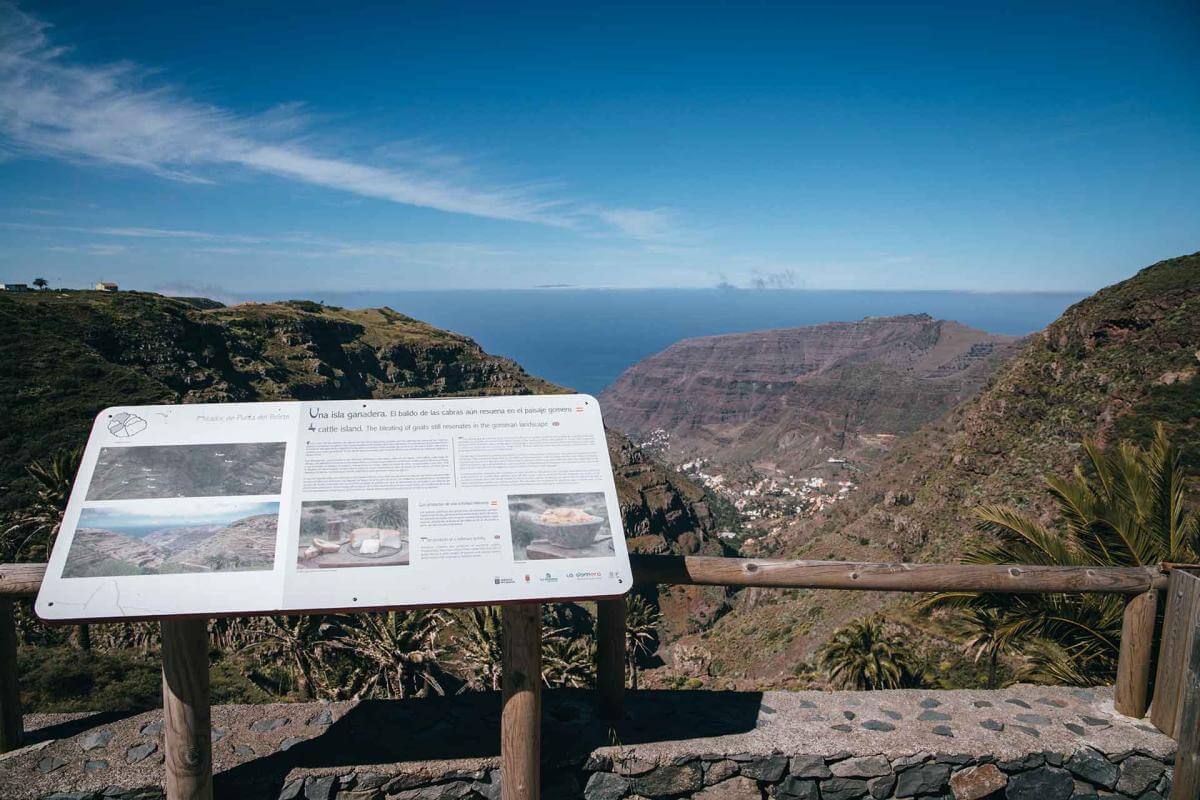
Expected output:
(1110, 368)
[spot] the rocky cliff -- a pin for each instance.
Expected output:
(65, 356)
(795, 396)
(1110, 367)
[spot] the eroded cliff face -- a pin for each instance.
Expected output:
(66, 356)
(795, 396)
(1109, 368)
(671, 512)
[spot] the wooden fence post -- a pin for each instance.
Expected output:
(521, 719)
(1179, 632)
(187, 728)
(1186, 781)
(1131, 695)
(610, 657)
(11, 726)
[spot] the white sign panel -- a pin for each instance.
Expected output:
(265, 507)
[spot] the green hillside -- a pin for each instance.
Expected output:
(64, 356)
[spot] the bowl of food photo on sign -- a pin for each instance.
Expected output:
(564, 525)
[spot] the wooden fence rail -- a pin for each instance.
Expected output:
(24, 580)
(185, 693)
(717, 571)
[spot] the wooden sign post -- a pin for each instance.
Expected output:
(187, 719)
(521, 718)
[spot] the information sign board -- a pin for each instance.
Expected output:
(245, 508)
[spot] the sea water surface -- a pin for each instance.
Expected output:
(585, 338)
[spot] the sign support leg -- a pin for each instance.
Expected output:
(187, 727)
(521, 720)
(11, 724)
(1131, 695)
(610, 657)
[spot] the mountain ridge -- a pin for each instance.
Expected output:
(793, 396)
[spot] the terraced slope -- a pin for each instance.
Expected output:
(795, 396)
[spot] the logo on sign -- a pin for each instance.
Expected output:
(125, 425)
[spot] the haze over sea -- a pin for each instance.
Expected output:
(585, 338)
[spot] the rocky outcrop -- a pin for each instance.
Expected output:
(662, 510)
(794, 396)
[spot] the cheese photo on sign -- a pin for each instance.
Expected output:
(353, 533)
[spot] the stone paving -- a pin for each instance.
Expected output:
(1022, 743)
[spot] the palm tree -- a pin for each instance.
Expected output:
(641, 633)
(864, 654)
(29, 532)
(36, 524)
(567, 660)
(40, 283)
(480, 648)
(393, 654)
(1125, 509)
(987, 641)
(296, 642)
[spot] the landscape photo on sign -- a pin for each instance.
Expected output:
(353, 533)
(158, 537)
(564, 525)
(188, 470)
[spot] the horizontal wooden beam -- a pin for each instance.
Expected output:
(24, 580)
(21, 580)
(718, 571)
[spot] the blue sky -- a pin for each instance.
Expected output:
(292, 147)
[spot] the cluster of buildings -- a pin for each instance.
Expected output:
(780, 494)
(101, 286)
(774, 495)
(764, 497)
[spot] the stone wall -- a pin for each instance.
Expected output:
(1086, 774)
(1021, 743)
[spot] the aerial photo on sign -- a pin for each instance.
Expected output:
(188, 470)
(157, 538)
(353, 533)
(548, 526)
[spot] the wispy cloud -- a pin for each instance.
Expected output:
(112, 114)
(135, 232)
(649, 225)
(294, 245)
(92, 249)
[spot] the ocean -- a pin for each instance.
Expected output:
(585, 338)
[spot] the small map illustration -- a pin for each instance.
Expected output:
(125, 424)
